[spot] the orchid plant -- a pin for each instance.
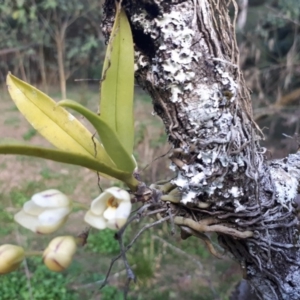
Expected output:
(111, 154)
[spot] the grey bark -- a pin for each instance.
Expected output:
(187, 59)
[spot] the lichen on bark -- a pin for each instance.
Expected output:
(186, 58)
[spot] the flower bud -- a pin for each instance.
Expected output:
(59, 253)
(11, 257)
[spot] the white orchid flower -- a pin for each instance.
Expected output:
(45, 212)
(110, 209)
(11, 257)
(59, 253)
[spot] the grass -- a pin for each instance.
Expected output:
(27, 136)
(159, 266)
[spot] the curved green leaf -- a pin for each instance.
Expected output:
(108, 136)
(55, 123)
(117, 88)
(69, 158)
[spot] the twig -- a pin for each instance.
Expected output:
(130, 274)
(147, 226)
(156, 211)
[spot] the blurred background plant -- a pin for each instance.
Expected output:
(51, 43)
(269, 41)
(41, 39)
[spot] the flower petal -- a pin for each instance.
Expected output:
(111, 224)
(31, 208)
(122, 213)
(47, 229)
(99, 204)
(110, 213)
(52, 219)
(51, 198)
(28, 221)
(119, 194)
(95, 221)
(53, 216)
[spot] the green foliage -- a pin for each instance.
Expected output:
(29, 134)
(30, 30)
(111, 140)
(117, 86)
(287, 10)
(53, 122)
(7, 219)
(18, 198)
(195, 247)
(143, 267)
(103, 242)
(45, 285)
(111, 293)
(46, 173)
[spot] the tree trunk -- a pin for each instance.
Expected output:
(60, 48)
(187, 59)
(43, 68)
(60, 41)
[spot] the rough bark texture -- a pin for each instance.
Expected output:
(187, 59)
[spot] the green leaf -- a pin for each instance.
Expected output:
(69, 158)
(117, 88)
(108, 136)
(55, 123)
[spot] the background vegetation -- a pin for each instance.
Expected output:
(50, 43)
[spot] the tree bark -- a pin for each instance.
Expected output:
(187, 58)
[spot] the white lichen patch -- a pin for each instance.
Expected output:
(206, 156)
(172, 167)
(189, 198)
(227, 80)
(180, 181)
(190, 170)
(140, 61)
(183, 68)
(197, 179)
(206, 107)
(175, 92)
(183, 57)
(235, 192)
(174, 65)
(285, 187)
(238, 207)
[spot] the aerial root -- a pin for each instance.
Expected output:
(205, 226)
